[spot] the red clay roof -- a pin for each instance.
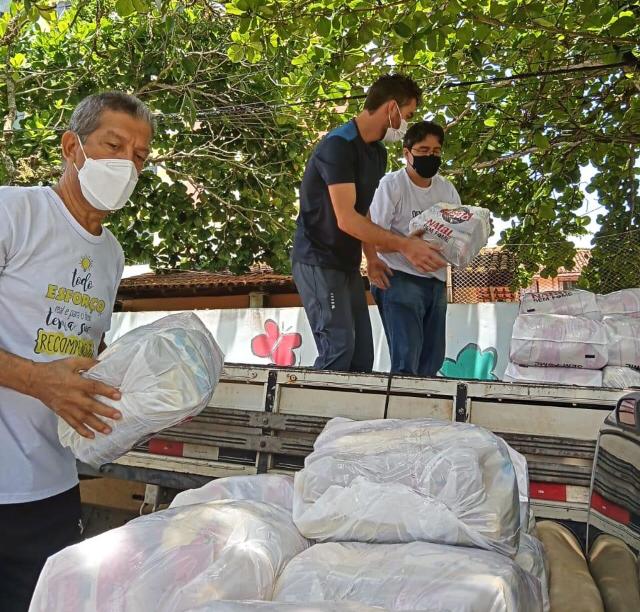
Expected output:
(186, 283)
(494, 267)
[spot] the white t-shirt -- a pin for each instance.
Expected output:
(397, 200)
(58, 284)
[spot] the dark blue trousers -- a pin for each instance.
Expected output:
(414, 313)
(336, 305)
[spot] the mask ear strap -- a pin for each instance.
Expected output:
(81, 147)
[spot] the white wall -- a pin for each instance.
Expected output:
(478, 336)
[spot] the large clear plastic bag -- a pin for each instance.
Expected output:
(273, 606)
(459, 231)
(532, 558)
(270, 488)
(552, 376)
(173, 561)
(522, 479)
(576, 302)
(546, 340)
(414, 576)
(618, 377)
(166, 372)
(405, 480)
(625, 302)
(624, 341)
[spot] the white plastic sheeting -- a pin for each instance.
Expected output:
(532, 558)
(173, 561)
(620, 377)
(552, 376)
(414, 576)
(460, 231)
(548, 340)
(272, 606)
(625, 302)
(405, 480)
(575, 302)
(624, 341)
(166, 371)
(270, 488)
(522, 478)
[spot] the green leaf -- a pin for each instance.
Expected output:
(323, 27)
(244, 25)
(402, 30)
(408, 51)
(436, 41)
(140, 6)
(232, 9)
(547, 210)
(540, 140)
(476, 56)
(623, 24)
(491, 122)
(543, 22)
(124, 8)
(235, 53)
(18, 60)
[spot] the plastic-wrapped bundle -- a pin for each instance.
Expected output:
(531, 557)
(173, 560)
(522, 478)
(559, 341)
(414, 576)
(270, 488)
(575, 302)
(460, 231)
(405, 480)
(166, 372)
(618, 377)
(552, 376)
(273, 606)
(625, 302)
(624, 341)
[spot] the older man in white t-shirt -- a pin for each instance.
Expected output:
(412, 303)
(59, 273)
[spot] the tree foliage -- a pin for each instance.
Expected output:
(530, 92)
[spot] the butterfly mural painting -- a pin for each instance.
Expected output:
(275, 345)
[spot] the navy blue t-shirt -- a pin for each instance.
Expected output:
(340, 157)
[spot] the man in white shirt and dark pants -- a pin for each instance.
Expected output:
(59, 273)
(412, 304)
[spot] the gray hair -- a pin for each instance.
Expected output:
(86, 116)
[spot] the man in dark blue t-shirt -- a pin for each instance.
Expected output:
(340, 179)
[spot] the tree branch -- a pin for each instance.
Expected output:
(527, 26)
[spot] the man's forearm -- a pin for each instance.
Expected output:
(369, 233)
(369, 250)
(15, 372)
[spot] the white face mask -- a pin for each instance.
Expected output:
(396, 134)
(107, 184)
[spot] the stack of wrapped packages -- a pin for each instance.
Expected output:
(419, 515)
(577, 338)
(415, 515)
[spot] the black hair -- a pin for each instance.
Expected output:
(419, 131)
(396, 87)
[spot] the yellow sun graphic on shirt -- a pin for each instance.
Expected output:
(86, 263)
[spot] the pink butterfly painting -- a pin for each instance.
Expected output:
(275, 345)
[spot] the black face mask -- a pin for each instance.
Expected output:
(426, 165)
